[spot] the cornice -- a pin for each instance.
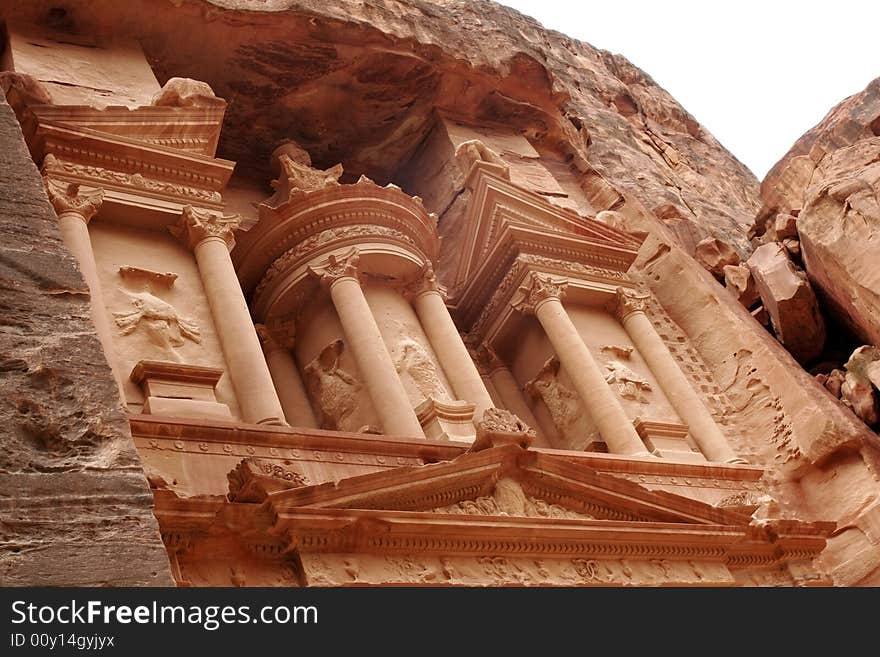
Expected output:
(193, 129)
(84, 146)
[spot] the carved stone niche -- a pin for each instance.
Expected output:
(447, 420)
(178, 390)
(667, 440)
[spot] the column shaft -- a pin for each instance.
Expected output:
(241, 347)
(453, 355)
(600, 402)
(374, 362)
(289, 386)
(678, 390)
(75, 232)
(512, 398)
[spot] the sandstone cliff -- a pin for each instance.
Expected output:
(830, 179)
(75, 508)
(360, 83)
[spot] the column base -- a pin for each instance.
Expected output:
(273, 421)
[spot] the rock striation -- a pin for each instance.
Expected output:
(75, 507)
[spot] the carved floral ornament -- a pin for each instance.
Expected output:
(535, 290)
(70, 197)
(310, 246)
(337, 267)
(425, 282)
(197, 224)
(629, 302)
(54, 165)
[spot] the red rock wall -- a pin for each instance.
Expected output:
(75, 507)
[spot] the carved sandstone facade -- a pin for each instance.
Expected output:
(331, 381)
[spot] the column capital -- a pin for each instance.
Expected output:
(629, 302)
(486, 360)
(275, 335)
(70, 197)
(425, 282)
(335, 268)
(535, 290)
(197, 224)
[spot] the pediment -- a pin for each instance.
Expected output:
(506, 481)
(497, 203)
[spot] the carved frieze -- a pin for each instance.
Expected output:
(573, 267)
(509, 499)
(137, 181)
(500, 570)
(312, 244)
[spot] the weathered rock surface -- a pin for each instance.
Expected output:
(738, 279)
(790, 301)
(286, 67)
(831, 179)
(715, 255)
(75, 508)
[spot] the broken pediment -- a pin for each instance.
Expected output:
(505, 480)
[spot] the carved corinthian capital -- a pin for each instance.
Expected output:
(629, 302)
(276, 335)
(536, 289)
(486, 360)
(426, 281)
(336, 267)
(70, 197)
(197, 225)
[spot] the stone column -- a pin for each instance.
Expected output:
(285, 375)
(507, 388)
(209, 236)
(541, 295)
(447, 343)
(630, 312)
(362, 336)
(75, 207)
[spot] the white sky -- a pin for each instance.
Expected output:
(756, 74)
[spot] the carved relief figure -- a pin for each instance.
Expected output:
(509, 499)
(621, 351)
(629, 384)
(562, 403)
(416, 363)
(160, 320)
(331, 388)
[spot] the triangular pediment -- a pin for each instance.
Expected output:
(506, 481)
(497, 203)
